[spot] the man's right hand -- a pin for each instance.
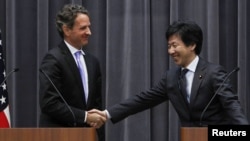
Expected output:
(96, 118)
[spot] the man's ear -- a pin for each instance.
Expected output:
(193, 46)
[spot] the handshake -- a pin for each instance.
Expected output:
(96, 118)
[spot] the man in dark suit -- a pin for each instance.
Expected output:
(75, 85)
(202, 79)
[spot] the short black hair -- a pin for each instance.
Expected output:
(189, 32)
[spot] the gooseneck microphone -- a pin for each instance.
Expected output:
(73, 115)
(216, 93)
(7, 76)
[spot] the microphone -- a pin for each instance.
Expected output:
(7, 76)
(73, 115)
(216, 93)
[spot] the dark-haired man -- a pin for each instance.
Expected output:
(189, 91)
(75, 73)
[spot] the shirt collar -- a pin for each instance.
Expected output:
(72, 49)
(192, 66)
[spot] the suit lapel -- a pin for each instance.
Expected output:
(89, 71)
(199, 75)
(73, 66)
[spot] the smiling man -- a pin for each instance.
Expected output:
(70, 77)
(189, 87)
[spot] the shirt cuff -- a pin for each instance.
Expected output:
(107, 113)
(85, 119)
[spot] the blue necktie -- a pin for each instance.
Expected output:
(81, 69)
(183, 82)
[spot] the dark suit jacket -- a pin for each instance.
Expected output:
(224, 109)
(61, 67)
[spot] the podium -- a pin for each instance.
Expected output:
(48, 134)
(194, 134)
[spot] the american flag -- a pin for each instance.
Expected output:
(4, 101)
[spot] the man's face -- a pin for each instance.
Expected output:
(79, 34)
(181, 54)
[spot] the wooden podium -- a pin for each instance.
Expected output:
(194, 134)
(48, 134)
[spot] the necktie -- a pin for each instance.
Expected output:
(183, 84)
(81, 70)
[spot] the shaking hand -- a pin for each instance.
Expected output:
(96, 118)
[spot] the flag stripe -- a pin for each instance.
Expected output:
(4, 101)
(4, 122)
